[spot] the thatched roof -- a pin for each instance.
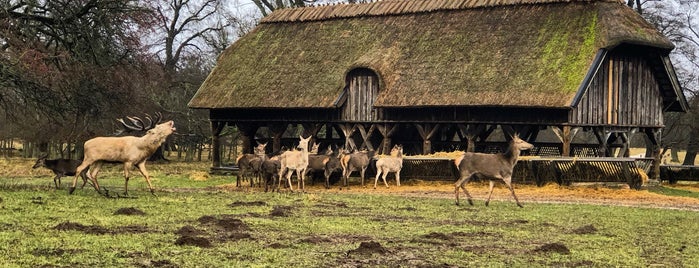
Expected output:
(426, 53)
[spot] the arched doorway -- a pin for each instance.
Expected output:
(361, 92)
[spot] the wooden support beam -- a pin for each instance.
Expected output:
(348, 130)
(366, 135)
(216, 128)
(427, 131)
(565, 134)
(387, 131)
(277, 130)
(247, 135)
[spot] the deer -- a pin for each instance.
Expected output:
(332, 165)
(357, 161)
(128, 150)
(296, 161)
(60, 167)
(316, 162)
(492, 166)
(392, 163)
(250, 163)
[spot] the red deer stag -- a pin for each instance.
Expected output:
(392, 163)
(296, 161)
(60, 167)
(129, 150)
(492, 166)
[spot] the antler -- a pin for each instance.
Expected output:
(137, 124)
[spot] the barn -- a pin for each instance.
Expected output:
(441, 75)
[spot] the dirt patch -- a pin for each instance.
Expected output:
(277, 246)
(73, 226)
(162, 263)
(435, 235)
(281, 211)
(251, 203)
(553, 247)
(587, 229)
(129, 211)
(368, 248)
(189, 230)
(196, 241)
(316, 240)
(130, 229)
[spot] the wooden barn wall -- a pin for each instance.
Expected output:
(362, 91)
(623, 93)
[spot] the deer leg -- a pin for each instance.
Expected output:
(385, 174)
(461, 183)
(398, 178)
(79, 169)
(362, 174)
(302, 178)
(84, 176)
(127, 167)
(57, 180)
(508, 182)
(142, 168)
(288, 180)
(378, 173)
(490, 191)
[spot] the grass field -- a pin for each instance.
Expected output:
(197, 220)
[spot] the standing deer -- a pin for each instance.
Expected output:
(60, 167)
(357, 161)
(492, 166)
(296, 161)
(129, 150)
(251, 163)
(392, 163)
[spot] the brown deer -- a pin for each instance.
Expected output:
(251, 163)
(392, 163)
(357, 161)
(60, 167)
(296, 161)
(129, 150)
(492, 166)
(316, 162)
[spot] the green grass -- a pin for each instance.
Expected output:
(41, 226)
(324, 229)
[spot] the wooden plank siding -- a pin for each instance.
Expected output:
(362, 90)
(623, 93)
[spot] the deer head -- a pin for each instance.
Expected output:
(41, 161)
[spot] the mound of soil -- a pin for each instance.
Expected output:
(251, 203)
(206, 219)
(129, 211)
(316, 240)
(196, 241)
(587, 229)
(189, 230)
(72, 226)
(281, 211)
(231, 224)
(435, 235)
(368, 248)
(553, 247)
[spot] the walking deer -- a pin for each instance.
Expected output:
(296, 161)
(357, 161)
(60, 167)
(492, 166)
(129, 150)
(392, 163)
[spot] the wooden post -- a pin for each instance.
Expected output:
(277, 130)
(565, 135)
(216, 128)
(654, 137)
(247, 135)
(427, 131)
(387, 131)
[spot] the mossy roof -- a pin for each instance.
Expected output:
(532, 53)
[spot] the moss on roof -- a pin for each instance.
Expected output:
(519, 53)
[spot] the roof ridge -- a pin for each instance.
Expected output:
(395, 7)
